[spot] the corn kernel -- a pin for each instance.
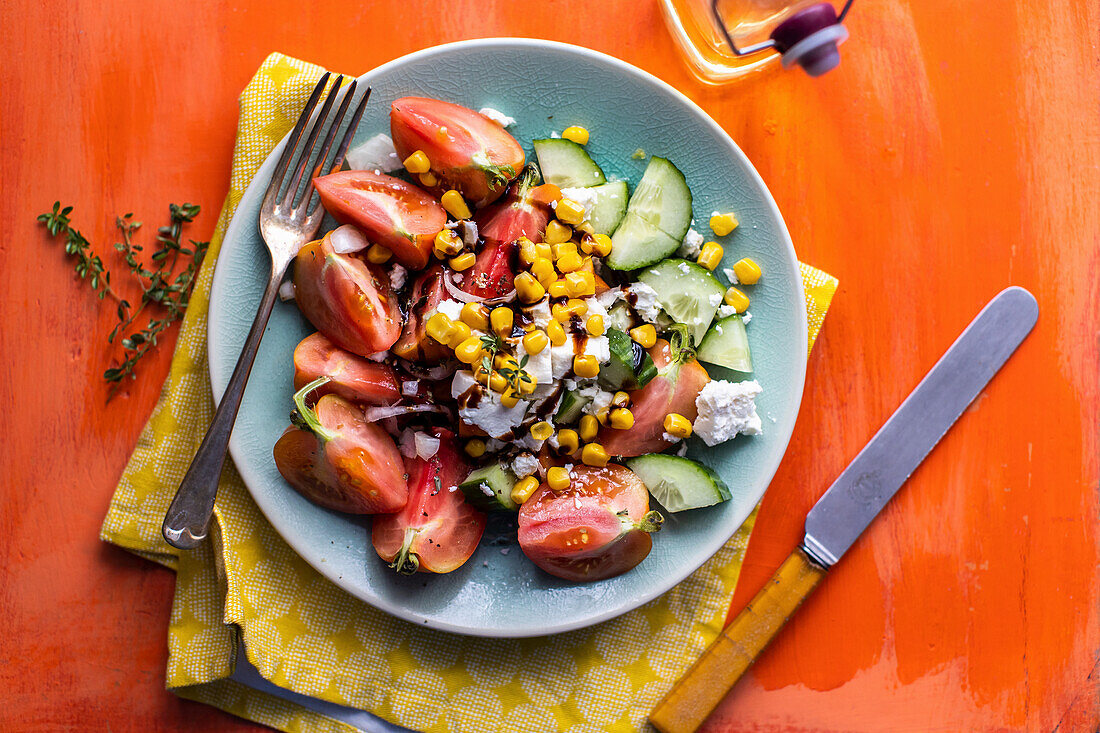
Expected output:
(594, 454)
(505, 361)
(678, 425)
(585, 227)
(568, 441)
(469, 350)
(569, 211)
(737, 299)
(463, 262)
(378, 254)
(563, 312)
(535, 342)
(542, 430)
(586, 365)
(447, 243)
(557, 478)
(580, 284)
(558, 289)
(557, 232)
(497, 382)
(523, 489)
(645, 336)
(579, 135)
(417, 163)
(723, 224)
(555, 333)
(528, 288)
(475, 447)
(461, 333)
(501, 318)
(428, 180)
(603, 416)
(620, 399)
(594, 325)
(602, 244)
(455, 205)
(527, 383)
(570, 262)
(510, 398)
(481, 374)
(440, 327)
(588, 427)
(475, 315)
(711, 255)
(621, 418)
(527, 254)
(543, 270)
(561, 249)
(747, 271)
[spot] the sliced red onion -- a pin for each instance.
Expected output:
(375, 414)
(459, 294)
(375, 153)
(286, 291)
(435, 373)
(347, 239)
(407, 443)
(426, 445)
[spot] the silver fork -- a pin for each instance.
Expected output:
(287, 221)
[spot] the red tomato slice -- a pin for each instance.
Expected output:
(345, 463)
(424, 295)
(517, 215)
(437, 531)
(468, 151)
(674, 389)
(597, 528)
(348, 300)
(391, 212)
(352, 377)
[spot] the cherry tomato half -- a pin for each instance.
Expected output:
(391, 212)
(437, 531)
(597, 528)
(352, 377)
(348, 300)
(467, 151)
(674, 389)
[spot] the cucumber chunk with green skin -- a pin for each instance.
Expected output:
(609, 207)
(630, 367)
(571, 407)
(679, 483)
(727, 345)
(663, 198)
(637, 243)
(688, 293)
(490, 488)
(566, 164)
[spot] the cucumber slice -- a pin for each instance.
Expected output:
(566, 164)
(629, 368)
(490, 488)
(663, 199)
(609, 208)
(637, 243)
(690, 294)
(620, 316)
(727, 345)
(571, 407)
(679, 483)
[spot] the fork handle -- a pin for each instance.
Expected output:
(188, 518)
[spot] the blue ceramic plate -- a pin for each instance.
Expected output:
(546, 87)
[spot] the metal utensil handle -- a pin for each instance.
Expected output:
(188, 518)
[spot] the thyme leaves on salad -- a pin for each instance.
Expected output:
(166, 277)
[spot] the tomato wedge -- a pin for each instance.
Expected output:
(597, 528)
(348, 300)
(352, 377)
(517, 215)
(468, 151)
(437, 531)
(335, 458)
(391, 212)
(425, 293)
(674, 389)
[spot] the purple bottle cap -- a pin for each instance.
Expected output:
(809, 38)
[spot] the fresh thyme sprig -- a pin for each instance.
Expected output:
(515, 375)
(161, 285)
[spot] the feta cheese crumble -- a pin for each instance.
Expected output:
(398, 276)
(450, 308)
(525, 465)
(727, 409)
(725, 311)
(376, 154)
(731, 275)
(646, 303)
(691, 246)
(497, 116)
(487, 412)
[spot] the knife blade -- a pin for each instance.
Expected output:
(852, 502)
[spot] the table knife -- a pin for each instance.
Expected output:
(854, 499)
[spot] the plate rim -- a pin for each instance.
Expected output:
(234, 231)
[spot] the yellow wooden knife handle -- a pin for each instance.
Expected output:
(703, 686)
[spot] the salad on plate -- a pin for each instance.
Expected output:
(500, 334)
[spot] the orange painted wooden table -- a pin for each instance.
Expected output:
(955, 151)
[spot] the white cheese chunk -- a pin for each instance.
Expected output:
(727, 409)
(450, 308)
(497, 116)
(377, 153)
(524, 465)
(646, 303)
(691, 246)
(398, 276)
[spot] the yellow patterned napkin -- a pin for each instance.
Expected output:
(304, 634)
